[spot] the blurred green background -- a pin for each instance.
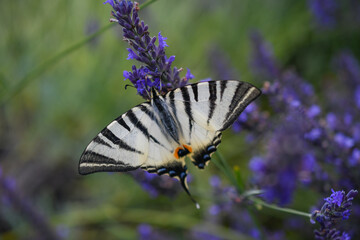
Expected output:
(51, 108)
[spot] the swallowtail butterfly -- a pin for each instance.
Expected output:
(157, 135)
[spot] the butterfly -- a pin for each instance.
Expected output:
(157, 135)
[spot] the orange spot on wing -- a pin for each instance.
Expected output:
(187, 147)
(176, 152)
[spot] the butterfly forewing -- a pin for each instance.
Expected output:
(160, 147)
(121, 146)
(219, 102)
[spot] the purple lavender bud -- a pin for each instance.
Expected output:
(188, 75)
(263, 60)
(203, 235)
(145, 231)
(111, 2)
(309, 162)
(348, 67)
(344, 141)
(335, 198)
(331, 234)
(331, 120)
(313, 135)
(354, 159)
(357, 97)
(131, 54)
(155, 185)
(25, 208)
(153, 57)
(215, 181)
(336, 208)
(221, 64)
(136, 23)
(126, 75)
(257, 165)
(324, 11)
(214, 210)
(162, 43)
(313, 111)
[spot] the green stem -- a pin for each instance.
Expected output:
(147, 3)
(228, 171)
(277, 208)
(40, 69)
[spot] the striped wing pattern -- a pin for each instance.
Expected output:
(213, 106)
(121, 146)
(157, 135)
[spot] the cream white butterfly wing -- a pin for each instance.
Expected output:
(206, 109)
(121, 146)
(134, 140)
(157, 135)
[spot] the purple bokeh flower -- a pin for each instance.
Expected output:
(156, 185)
(147, 232)
(303, 141)
(324, 11)
(348, 68)
(23, 207)
(221, 65)
(263, 60)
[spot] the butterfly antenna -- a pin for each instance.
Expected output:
(129, 85)
(145, 87)
(160, 84)
(186, 188)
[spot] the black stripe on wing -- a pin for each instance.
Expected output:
(173, 108)
(91, 162)
(187, 105)
(117, 141)
(146, 108)
(194, 88)
(98, 140)
(222, 88)
(212, 100)
(121, 121)
(134, 120)
(244, 94)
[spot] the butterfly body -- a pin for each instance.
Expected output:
(157, 135)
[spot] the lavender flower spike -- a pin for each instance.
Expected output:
(336, 208)
(156, 71)
(324, 11)
(25, 209)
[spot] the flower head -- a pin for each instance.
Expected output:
(157, 70)
(263, 60)
(336, 208)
